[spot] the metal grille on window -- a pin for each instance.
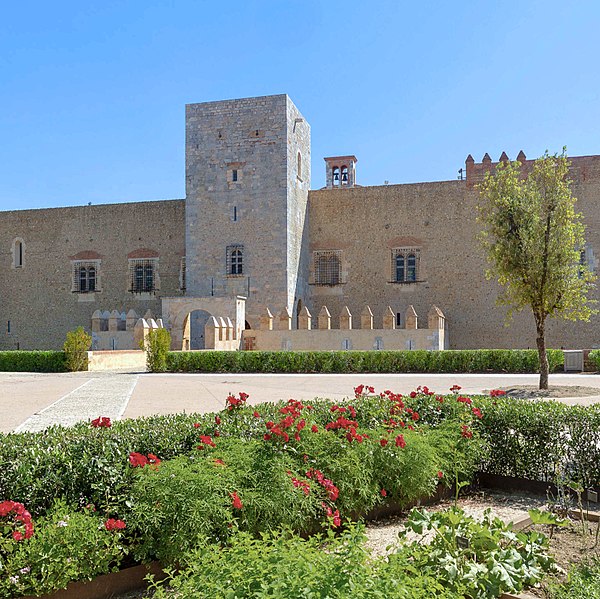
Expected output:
(328, 267)
(235, 260)
(142, 275)
(85, 277)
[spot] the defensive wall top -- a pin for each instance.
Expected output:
(583, 168)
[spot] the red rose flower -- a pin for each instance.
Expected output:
(236, 501)
(400, 442)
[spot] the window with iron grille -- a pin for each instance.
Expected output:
(405, 265)
(327, 267)
(235, 260)
(86, 276)
(143, 275)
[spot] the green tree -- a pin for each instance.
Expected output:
(533, 239)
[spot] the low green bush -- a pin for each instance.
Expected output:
(542, 440)
(286, 566)
(594, 357)
(157, 344)
(76, 346)
(478, 559)
(583, 582)
(496, 360)
(32, 361)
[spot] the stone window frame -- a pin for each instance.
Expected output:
(405, 253)
(18, 252)
(84, 267)
(143, 283)
(235, 260)
(327, 268)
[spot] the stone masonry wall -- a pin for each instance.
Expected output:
(439, 218)
(37, 298)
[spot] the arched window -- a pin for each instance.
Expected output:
(299, 165)
(411, 269)
(91, 278)
(139, 278)
(399, 267)
(335, 176)
(18, 250)
(405, 265)
(344, 175)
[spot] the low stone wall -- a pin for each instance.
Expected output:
(116, 360)
(344, 339)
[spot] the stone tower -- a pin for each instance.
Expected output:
(247, 182)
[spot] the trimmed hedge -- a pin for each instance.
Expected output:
(418, 361)
(542, 441)
(32, 361)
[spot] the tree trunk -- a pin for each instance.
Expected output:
(543, 358)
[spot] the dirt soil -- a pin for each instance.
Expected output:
(554, 391)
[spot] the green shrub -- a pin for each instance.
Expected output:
(157, 344)
(77, 344)
(32, 361)
(362, 361)
(594, 357)
(286, 566)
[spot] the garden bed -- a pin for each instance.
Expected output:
(154, 488)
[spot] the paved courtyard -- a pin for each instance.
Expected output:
(33, 401)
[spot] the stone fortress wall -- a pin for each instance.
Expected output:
(439, 220)
(36, 298)
(267, 210)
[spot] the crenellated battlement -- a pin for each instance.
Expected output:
(583, 168)
(318, 334)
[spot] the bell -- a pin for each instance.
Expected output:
(344, 177)
(336, 177)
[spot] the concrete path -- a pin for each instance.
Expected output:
(95, 397)
(32, 401)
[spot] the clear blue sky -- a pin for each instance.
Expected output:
(92, 94)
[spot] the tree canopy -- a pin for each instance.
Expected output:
(534, 239)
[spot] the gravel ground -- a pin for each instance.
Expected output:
(509, 507)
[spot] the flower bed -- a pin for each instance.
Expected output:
(154, 487)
